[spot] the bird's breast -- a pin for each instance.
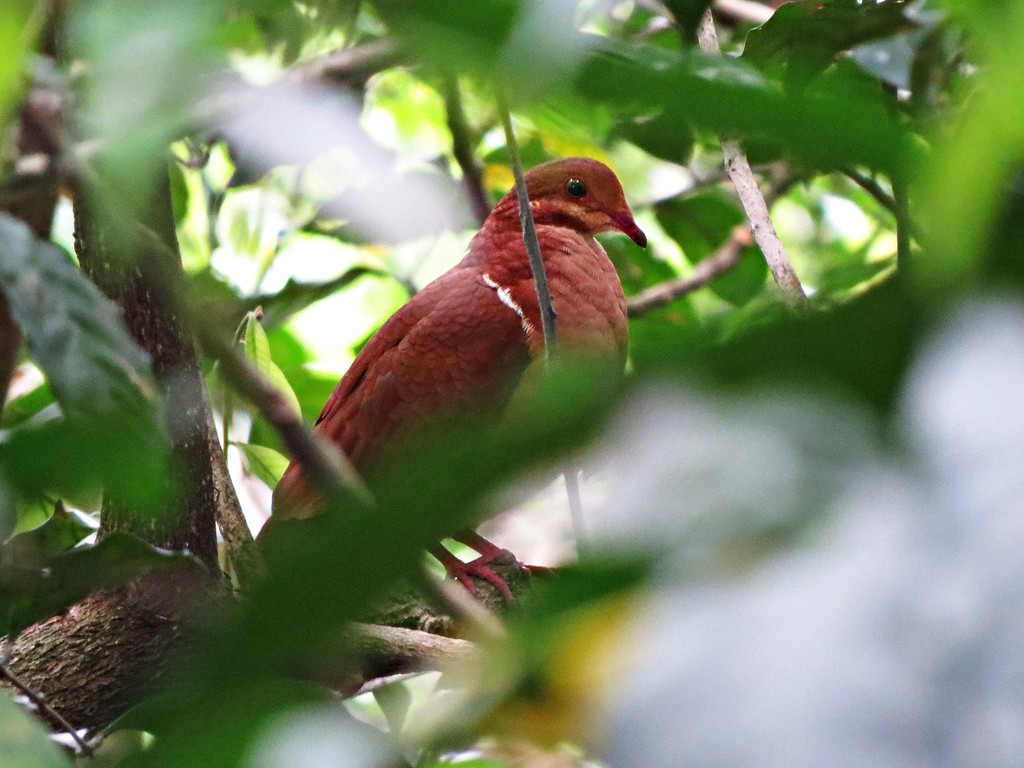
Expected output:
(585, 291)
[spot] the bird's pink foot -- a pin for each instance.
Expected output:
(480, 568)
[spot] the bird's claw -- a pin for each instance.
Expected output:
(481, 569)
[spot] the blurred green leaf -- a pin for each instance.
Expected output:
(266, 463)
(403, 111)
(808, 35)
(744, 281)
(862, 348)
(25, 743)
(257, 350)
(240, 721)
(15, 37)
(638, 268)
(27, 405)
(101, 379)
(37, 590)
(73, 332)
(731, 97)
(132, 108)
(700, 223)
(62, 530)
(975, 162)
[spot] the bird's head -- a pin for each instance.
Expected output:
(579, 193)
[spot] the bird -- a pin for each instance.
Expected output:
(468, 339)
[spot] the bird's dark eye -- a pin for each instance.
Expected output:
(575, 188)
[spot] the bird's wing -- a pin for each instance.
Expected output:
(453, 347)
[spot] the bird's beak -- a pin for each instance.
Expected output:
(625, 223)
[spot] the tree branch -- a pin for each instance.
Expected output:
(743, 10)
(393, 650)
(540, 277)
(898, 204)
(462, 148)
(706, 270)
(352, 65)
(39, 702)
(750, 195)
(873, 188)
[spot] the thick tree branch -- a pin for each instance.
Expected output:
(462, 148)
(750, 194)
(394, 650)
(353, 65)
(40, 703)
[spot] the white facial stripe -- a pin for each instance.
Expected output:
(506, 298)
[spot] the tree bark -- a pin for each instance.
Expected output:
(106, 653)
(190, 520)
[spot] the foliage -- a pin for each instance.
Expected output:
(790, 499)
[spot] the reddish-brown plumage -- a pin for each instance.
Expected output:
(466, 338)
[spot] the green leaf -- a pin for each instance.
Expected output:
(30, 592)
(61, 531)
(24, 406)
(15, 35)
(744, 281)
(700, 223)
(257, 350)
(259, 720)
(130, 105)
(73, 332)
(828, 129)
(809, 35)
(24, 743)
(98, 375)
(665, 134)
(637, 268)
(266, 463)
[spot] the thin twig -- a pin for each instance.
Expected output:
(462, 148)
(572, 492)
(750, 194)
(873, 188)
(724, 259)
(540, 277)
(40, 703)
(706, 270)
(904, 224)
(744, 10)
(898, 204)
(540, 280)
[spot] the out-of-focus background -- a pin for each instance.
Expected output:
(803, 526)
